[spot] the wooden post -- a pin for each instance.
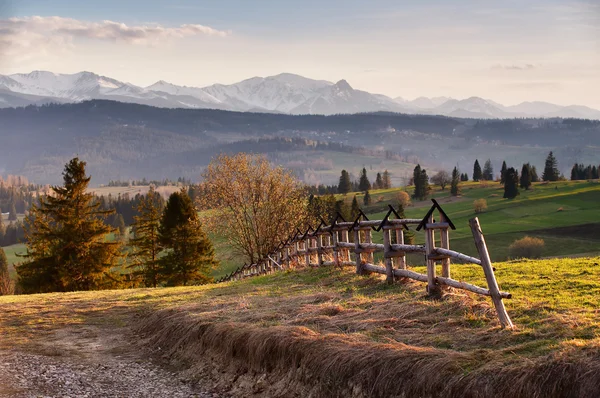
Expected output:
(336, 253)
(357, 250)
(486, 263)
(445, 243)
(307, 252)
(389, 265)
(432, 287)
(320, 250)
(345, 252)
(400, 241)
(369, 239)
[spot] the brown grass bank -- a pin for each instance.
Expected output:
(328, 333)
(298, 362)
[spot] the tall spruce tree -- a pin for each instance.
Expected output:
(378, 182)
(12, 213)
(67, 248)
(477, 174)
(387, 181)
(454, 188)
(146, 242)
(5, 282)
(488, 171)
(354, 208)
(190, 254)
(525, 180)
(345, 185)
(551, 172)
(502, 172)
(533, 173)
(367, 198)
(363, 183)
(511, 185)
(343, 209)
(417, 181)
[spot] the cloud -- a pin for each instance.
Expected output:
(30, 37)
(104, 30)
(514, 67)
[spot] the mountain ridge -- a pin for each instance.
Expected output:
(282, 93)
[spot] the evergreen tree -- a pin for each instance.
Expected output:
(424, 185)
(378, 182)
(66, 239)
(454, 188)
(345, 185)
(533, 173)
(12, 214)
(525, 180)
(511, 184)
(488, 171)
(551, 172)
(421, 182)
(464, 177)
(1, 231)
(146, 244)
(363, 183)
(5, 282)
(477, 174)
(119, 224)
(417, 182)
(367, 198)
(387, 181)
(190, 256)
(502, 172)
(354, 209)
(575, 172)
(342, 208)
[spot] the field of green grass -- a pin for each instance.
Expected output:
(565, 214)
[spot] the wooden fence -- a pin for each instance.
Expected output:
(331, 245)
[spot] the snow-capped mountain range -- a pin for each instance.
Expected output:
(283, 93)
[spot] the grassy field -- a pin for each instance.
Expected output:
(331, 332)
(549, 211)
(565, 215)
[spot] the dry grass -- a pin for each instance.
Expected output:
(328, 332)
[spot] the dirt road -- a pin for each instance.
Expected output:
(77, 349)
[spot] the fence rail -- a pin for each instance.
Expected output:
(330, 245)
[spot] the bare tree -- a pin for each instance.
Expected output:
(442, 178)
(252, 203)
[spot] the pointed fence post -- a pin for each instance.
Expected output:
(357, 251)
(432, 287)
(486, 263)
(400, 241)
(389, 262)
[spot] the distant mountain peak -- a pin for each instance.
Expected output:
(343, 85)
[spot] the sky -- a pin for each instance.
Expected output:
(508, 51)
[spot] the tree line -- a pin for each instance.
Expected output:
(68, 247)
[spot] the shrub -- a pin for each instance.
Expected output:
(480, 205)
(404, 199)
(528, 247)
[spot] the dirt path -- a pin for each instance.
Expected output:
(86, 360)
